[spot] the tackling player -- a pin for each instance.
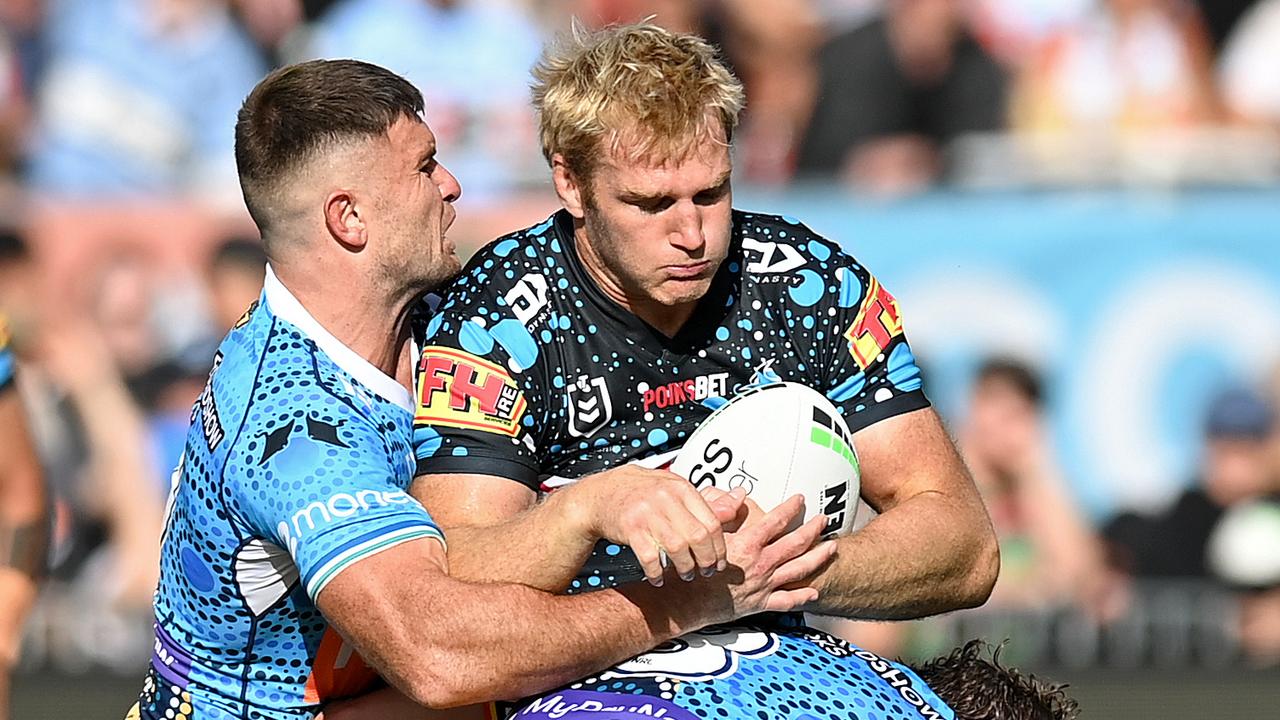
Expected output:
(292, 555)
(24, 518)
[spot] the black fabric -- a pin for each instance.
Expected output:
(863, 94)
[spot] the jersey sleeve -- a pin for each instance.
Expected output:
(871, 373)
(477, 400)
(322, 488)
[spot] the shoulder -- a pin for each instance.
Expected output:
(781, 252)
(515, 260)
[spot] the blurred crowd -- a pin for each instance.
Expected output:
(126, 254)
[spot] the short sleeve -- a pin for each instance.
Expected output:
(872, 374)
(326, 492)
(474, 413)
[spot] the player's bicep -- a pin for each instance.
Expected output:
(458, 499)
(376, 603)
(909, 454)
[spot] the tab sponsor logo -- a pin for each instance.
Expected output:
(879, 321)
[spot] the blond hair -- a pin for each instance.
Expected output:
(649, 94)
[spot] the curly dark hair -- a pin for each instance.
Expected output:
(981, 689)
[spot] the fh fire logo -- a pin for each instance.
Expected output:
(589, 406)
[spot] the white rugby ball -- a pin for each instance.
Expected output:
(776, 441)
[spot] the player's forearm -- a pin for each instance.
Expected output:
(928, 555)
(543, 547)
(509, 641)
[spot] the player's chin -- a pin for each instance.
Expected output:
(680, 291)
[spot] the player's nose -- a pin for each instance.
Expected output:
(450, 188)
(687, 234)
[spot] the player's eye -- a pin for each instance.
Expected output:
(428, 167)
(653, 205)
(712, 196)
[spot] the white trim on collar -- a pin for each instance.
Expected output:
(285, 306)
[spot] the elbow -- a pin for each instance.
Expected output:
(434, 687)
(442, 684)
(982, 572)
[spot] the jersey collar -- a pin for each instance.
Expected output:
(285, 306)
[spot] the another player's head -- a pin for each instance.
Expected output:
(636, 122)
(338, 168)
(976, 686)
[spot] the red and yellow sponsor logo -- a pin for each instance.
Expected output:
(338, 671)
(879, 321)
(458, 389)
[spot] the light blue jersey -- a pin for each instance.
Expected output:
(295, 468)
(747, 672)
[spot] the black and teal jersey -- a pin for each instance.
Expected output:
(530, 372)
(295, 468)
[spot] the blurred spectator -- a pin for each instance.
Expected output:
(24, 527)
(1049, 556)
(470, 59)
(1235, 468)
(138, 99)
(1221, 16)
(1012, 29)
(1248, 69)
(269, 22)
(235, 277)
(18, 58)
(894, 92)
(1127, 65)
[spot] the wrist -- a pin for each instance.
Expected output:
(577, 503)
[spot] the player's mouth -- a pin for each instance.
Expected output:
(688, 271)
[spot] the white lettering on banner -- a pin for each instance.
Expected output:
(1116, 349)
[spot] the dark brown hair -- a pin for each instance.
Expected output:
(980, 689)
(300, 109)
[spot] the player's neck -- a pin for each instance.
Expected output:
(361, 317)
(666, 319)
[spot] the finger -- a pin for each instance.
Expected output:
(725, 506)
(804, 566)
(788, 600)
(706, 537)
(648, 553)
(675, 540)
(775, 522)
(795, 543)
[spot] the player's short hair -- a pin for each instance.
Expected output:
(299, 111)
(978, 688)
(646, 91)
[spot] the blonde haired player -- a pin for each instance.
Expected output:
(569, 355)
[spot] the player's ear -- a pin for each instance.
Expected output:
(343, 218)
(568, 186)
